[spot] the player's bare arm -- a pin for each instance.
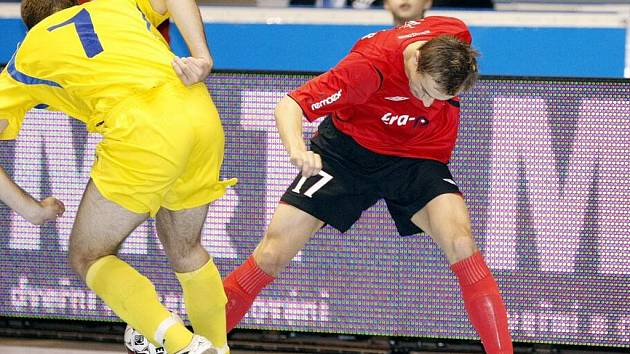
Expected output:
(289, 123)
(36, 212)
(187, 18)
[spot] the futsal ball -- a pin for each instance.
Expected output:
(136, 343)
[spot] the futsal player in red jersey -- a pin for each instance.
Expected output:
(392, 115)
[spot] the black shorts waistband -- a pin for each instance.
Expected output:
(336, 143)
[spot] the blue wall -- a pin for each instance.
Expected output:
(520, 51)
(13, 31)
(575, 52)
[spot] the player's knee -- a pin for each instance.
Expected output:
(463, 246)
(187, 257)
(270, 256)
(81, 258)
(270, 262)
(79, 262)
(457, 241)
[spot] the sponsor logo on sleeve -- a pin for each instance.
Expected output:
(326, 101)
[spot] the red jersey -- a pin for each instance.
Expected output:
(369, 98)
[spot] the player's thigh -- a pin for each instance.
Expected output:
(99, 228)
(412, 184)
(288, 232)
(445, 218)
(179, 231)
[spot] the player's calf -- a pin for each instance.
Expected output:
(484, 304)
(241, 288)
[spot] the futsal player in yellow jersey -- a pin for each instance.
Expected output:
(105, 64)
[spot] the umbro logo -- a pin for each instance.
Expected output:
(397, 98)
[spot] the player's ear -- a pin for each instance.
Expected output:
(428, 4)
(386, 5)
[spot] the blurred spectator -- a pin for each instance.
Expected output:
(364, 4)
(464, 4)
(227, 2)
(407, 10)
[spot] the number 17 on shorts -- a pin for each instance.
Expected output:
(324, 178)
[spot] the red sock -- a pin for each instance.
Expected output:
(241, 287)
(483, 303)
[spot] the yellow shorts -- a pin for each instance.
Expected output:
(161, 148)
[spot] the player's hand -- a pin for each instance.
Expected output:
(48, 209)
(192, 70)
(308, 162)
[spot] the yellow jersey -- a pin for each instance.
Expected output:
(84, 60)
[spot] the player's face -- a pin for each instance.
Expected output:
(426, 89)
(407, 10)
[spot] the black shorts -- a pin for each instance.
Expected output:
(354, 178)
